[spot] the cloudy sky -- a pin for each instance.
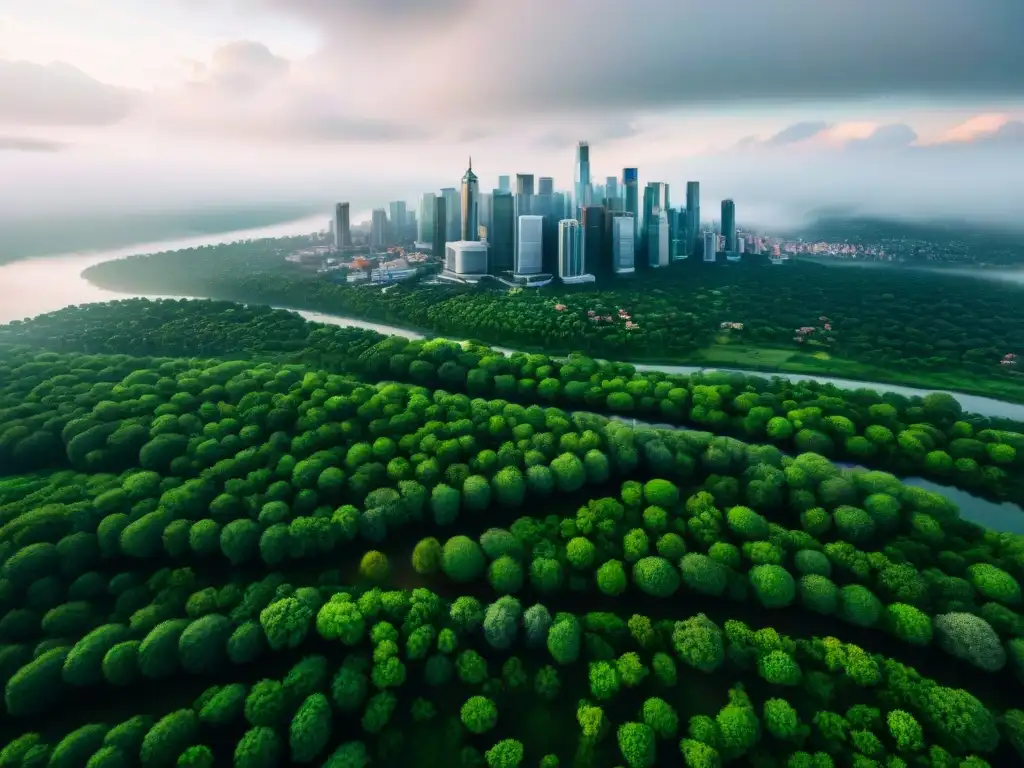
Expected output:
(911, 107)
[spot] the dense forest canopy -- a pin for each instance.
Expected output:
(229, 536)
(883, 325)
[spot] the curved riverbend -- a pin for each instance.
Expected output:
(35, 286)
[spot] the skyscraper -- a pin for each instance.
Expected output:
(710, 245)
(529, 245)
(623, 244)
(630, 195)
(658, 239)
(485, 212)
(545, 185)
(453, 207)
(397, 221)
(570, 251)
(428, 203)
(379, 228)
(729, 225)
(524, 184)
(440, 226)
(582, 190)
(501, 234)
(693, 215)
(611, 187)
(503, 184)
(470, 206)
(592, 222)
(342, 230)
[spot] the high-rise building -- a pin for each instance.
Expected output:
(428, 203)
(503, 184)
(524, 184)
(693, 234)
(397, 221)
(570, 250)
(630, 195)
(582, 190)
(655, 203)
(658, 239)
(440, 226)
(342, 230)
(379, 228)
(544, 205)
(741, 245)
(623, 244)
(729, 225)
(545, 185)
(485, 212)
(611, 187)
(529, 245)
(470, 230)
(592, 222)
(501, 234)
(710, 245)
(453, 207)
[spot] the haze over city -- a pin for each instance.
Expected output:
(913, 109)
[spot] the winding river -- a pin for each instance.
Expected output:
(35, 286)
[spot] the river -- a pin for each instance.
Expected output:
(35, 286)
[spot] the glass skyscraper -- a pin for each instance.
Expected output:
(570, 250)
(583, 189)
(729, 225)
(470, 206)
(693, 234)
(425, 233)
(501, 234)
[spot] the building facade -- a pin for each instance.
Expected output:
(379, 228)
(582, 188)
(710, 246)
(693, 234)
(470, 230)
(453, 208)
(592, 224)
(397, 221)
(466, 259)
(658, 240)
(342, 227)
(504, 184)
(440, 226)
(485, 213)
(729, 226)
(529, 245)
(623, 245)
(570, 250)
(501, 234)
(545, 185)
(630, 195)
(428, 203)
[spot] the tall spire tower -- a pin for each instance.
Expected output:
(470, 204)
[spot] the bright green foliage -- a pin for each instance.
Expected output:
(505, 575)
(426, 557)
(702, 574)
(604, 680)
(462, 559)
(818, 594)
(351, 754)
(636, 743)
(631, 669)
(661, 717)
(310, 728)
(697, 754)
(656, 576)
(859, 605)
(699, 642)
(337, 620)
(779, 668)
(286, 623)
(781, 720)
(909, 624)
(971, 638)
(994, 583)
(479, 714)
(507, 753)
(906, 731)
(580, 553)
(773, 585)
(747, 524)
(611, 578)
(374, 567)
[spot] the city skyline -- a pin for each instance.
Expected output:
(184, 105)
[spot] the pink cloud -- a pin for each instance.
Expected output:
(977, 127)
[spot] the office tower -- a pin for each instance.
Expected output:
(466, 258)
(741, 245)
(630, 194)
(543, 205)
(693, 215)
(592, 222)
(529, 245)
(453, 208)
(545, 185)
(582, 190)
(379, 228)
(524, 184)
(611, 187)
(655, 204)
(623, 245)
(729, 225)
(484, 214)
(501, 235)
(470, 230)
(570, 250)
(440, 226)
(426, 228)
(503, 184)
(710, 245)
(658, 240)
(342, 230)
(396, 221)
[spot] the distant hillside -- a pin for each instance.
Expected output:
(984, 243)
(62, 234)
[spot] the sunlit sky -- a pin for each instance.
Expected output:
(913, 107)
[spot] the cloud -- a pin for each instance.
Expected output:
(510, 57)
(988, 129)
(26, 144)
(892, 136)
(607, 131)
(58, 94)
(797, 132)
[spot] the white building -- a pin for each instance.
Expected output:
(710, 245)
(529, 245)
(623, 245)
(466, 259)
(570, 253)
(657, 240)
